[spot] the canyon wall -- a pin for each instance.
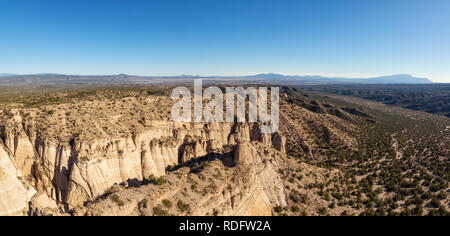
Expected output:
(74, 172)
(251, 187)
(15, 193)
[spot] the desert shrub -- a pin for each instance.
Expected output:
(145, 203)
(157, 181)
(418, 211)
(158, 211)
(332, 205)
(183, 207)
(442, 195)
(435, 202)
(115, 198)
(109, 191)
(322, 211)
(406, 212)
(194, 187)
(167, 203)
(160, 181)
(294, 197)
(278, 209)
(152, 178)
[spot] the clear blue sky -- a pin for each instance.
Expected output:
(226, 37)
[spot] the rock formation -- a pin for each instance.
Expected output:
(71, 173)
(250, 188)
(15, 193)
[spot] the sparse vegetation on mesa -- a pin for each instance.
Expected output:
(398, 166)
(431, 98)
(88, 113)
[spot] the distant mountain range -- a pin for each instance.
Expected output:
(392, 79)
(60, 79)
(6, 74)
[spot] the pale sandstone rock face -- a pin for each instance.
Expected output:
(148, 153)
(279, 142)
(90, 180)
(14, 194)
(265, 162)
(23, 155)
(237, 197)
(251, 188)
(255, 203)
(256, 135)
(79, 171)
(246, 154)
(22, 151)
(41, 204)
(272, 185)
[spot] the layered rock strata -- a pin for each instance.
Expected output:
(71, 173)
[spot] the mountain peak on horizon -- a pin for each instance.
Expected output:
(400, 78)
(389, 79)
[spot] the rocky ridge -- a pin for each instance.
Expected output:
(73, 171)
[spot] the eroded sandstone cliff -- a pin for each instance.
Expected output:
(15, 193)
(76, 171)
(240, 182)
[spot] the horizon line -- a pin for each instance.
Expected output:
(324, 75)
